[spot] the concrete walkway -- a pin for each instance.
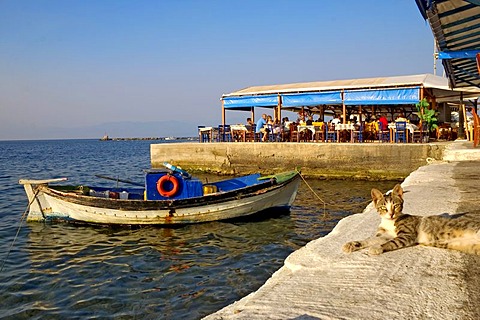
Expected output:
(319, 281)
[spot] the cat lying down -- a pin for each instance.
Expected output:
(398, 230)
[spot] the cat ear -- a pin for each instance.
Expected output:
(398, 190)
(376, 195)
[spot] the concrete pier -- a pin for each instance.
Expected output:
(319, 160)
(319, 281)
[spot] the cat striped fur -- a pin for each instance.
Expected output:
(398, 230)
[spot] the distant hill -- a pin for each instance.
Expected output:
(145, 129)
(124, 129)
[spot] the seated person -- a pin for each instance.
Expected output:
(401, 117)
(286, 129)
(262, 127)
(277, 128)
(309, 121)
(261, 123)
(249, 124)
(383, 122)
(336, 120)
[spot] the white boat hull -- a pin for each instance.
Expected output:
(45, 205)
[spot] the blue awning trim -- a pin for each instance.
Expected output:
(250, 101)
(357, 97)
(311, 99)
(465, 54)
(392, 96)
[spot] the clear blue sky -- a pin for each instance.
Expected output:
(81, 63)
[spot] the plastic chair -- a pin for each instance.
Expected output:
(401, 131)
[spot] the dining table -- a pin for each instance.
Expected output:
(208, 133)
(239, 130)
(339, 127)
(304, 128)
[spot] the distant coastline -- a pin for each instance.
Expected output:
(153, 138)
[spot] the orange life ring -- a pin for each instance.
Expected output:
(167, 192)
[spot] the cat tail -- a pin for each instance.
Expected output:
(470, 243)
(472, 248)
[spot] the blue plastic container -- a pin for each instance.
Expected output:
(188, 187)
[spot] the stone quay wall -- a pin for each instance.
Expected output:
(375, 161)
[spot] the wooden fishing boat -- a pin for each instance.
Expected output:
(169, 196)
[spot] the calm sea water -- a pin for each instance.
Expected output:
(60, 271)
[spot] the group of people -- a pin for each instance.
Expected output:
(266, 125)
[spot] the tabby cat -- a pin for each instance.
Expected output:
(398, 230)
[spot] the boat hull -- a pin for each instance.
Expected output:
(47, 204)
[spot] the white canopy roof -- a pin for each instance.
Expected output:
(438, 85)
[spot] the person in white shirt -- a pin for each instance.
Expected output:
(336, 120)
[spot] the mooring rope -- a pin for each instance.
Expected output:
(344, 207)
(313, 191)
(22, 219)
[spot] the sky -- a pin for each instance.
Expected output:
(78, 68)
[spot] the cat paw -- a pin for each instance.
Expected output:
(375, 250)
(352, 246)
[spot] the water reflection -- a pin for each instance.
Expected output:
(77, 271)
(184, 272)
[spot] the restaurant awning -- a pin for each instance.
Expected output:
(247, 102)
(384, 97)
(311, 99)
(367, 91)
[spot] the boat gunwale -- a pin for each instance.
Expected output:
(150, 205)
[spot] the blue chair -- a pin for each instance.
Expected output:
(257, 136)
(358, 133)
(272, 136)
(401, 131)
(331, 134)
(224, 133)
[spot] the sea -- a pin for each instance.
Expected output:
(68, 271)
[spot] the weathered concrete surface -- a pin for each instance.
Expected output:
(319, 281)
(330, 160)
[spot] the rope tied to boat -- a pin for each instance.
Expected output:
(22, 219)
(316, 195)
(340, 206)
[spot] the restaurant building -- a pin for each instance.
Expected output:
(366, 97)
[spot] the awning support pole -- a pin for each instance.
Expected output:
(223, 114)
(461, 117)
(279, 109)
